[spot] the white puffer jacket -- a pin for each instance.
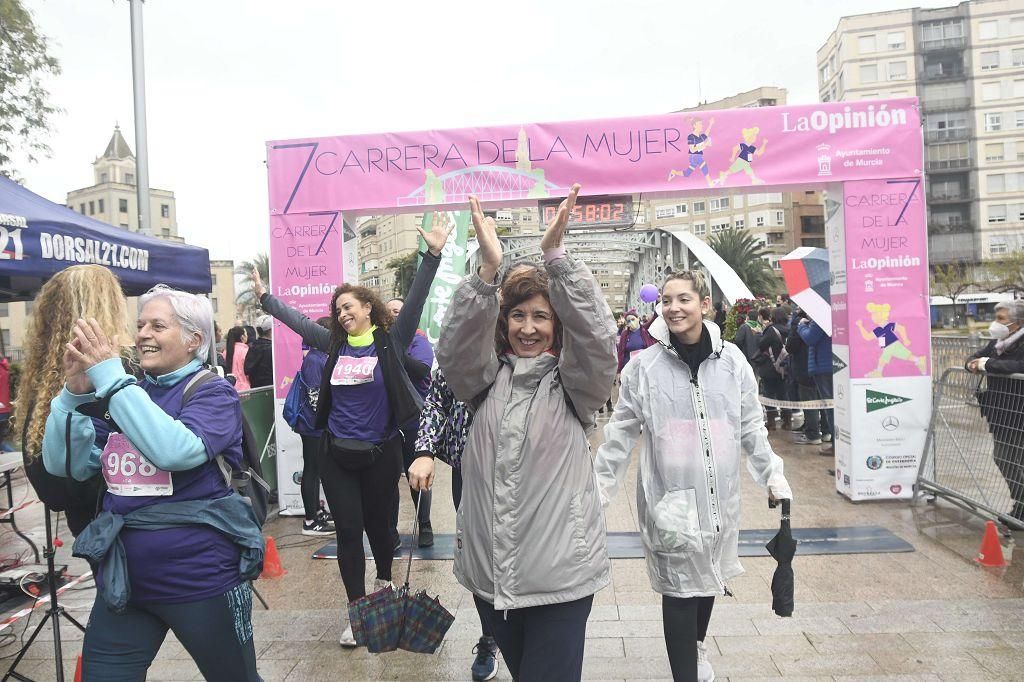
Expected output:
(688, 487)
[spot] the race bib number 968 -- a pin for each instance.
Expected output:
(129, 474)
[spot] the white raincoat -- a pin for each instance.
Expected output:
(688, 487)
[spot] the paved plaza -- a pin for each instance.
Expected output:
(931, 614)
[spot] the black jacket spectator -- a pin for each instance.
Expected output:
(259, 363)
(798, 351)
(1002, 400)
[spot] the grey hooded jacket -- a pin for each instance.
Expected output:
(530, 528)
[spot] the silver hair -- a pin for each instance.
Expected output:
(1015, 309)
(194, 314)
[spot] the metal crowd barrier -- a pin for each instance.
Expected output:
(952, 351)
(974, 453)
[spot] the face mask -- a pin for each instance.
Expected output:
(633, 323)
(998, 331)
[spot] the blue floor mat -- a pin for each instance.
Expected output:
(841, 540)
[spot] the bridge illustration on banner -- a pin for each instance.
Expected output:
(487, 183)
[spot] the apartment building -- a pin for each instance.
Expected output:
(966, 64)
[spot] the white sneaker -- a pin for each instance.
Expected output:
(347, 639)
(704, 671)
(379, 584)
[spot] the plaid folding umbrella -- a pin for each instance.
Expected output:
(806, 272)
(392, 619)
(783, 548)
(376, 620)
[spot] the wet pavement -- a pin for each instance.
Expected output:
(931, 614)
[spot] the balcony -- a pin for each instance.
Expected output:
(944, 75)
(949, 164)
(952, 248)
(951, 104)
(942, 44)
(940, 197)
(947, 135)
(940, 228)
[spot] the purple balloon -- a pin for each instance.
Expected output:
(649, 293)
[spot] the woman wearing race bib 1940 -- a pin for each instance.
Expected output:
(365, 396)
(174, 547)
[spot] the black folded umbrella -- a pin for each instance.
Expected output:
(783, 548)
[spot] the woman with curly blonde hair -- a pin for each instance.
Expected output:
(81, 291)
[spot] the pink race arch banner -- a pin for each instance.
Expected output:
(669, 153)
(862, 148)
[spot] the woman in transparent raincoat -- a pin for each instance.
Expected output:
(693, 399)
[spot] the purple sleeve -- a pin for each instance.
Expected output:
(421, 351)
(215, 415)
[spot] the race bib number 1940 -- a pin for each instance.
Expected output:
(129, 474)
(350, 371)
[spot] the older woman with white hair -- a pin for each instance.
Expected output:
(174, 547)
(1002, 402)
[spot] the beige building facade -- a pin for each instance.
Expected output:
(222, 298)
(966, 64)
(111, 199)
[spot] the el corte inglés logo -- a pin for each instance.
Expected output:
(876, 400)
(837, 364)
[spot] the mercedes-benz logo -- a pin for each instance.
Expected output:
(890, 423)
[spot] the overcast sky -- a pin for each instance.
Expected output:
(224, 76)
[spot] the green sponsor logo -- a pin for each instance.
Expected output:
(876, 400)
(837, 364)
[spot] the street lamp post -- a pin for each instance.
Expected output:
(139, 88)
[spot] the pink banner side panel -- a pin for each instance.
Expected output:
(305, 267)
(887, 278)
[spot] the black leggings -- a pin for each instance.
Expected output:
(456, 487)
(408, 457)
(310, 476)
(216, 633)
(540, 643)
(686, 623)
(362, 500)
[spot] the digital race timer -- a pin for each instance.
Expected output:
(593, 212)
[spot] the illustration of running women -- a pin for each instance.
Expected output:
(892, 338)
(696, 142)
(745, 153)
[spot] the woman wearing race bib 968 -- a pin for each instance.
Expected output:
(365, 396)
(174, 547)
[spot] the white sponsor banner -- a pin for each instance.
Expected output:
(841, 413)
(289, 464)
(890, 419)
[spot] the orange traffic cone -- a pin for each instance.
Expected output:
(78, 669)
(272, 567)
(991, 552)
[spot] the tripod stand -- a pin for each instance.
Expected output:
(53, 614)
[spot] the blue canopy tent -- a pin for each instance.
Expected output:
(39, 238)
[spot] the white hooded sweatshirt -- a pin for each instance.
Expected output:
(688, 487)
